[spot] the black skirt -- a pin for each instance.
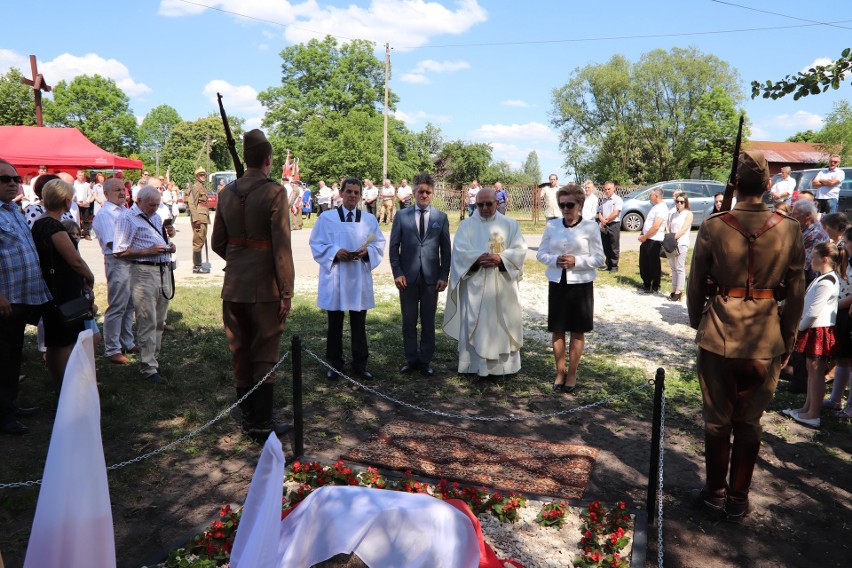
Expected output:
(570, 307)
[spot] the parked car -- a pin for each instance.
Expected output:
(699, 191)
(213, 185)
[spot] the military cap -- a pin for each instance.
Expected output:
(255, 138)
(752, 169)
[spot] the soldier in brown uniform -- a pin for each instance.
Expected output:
(200, 217)
(743, 337)
(252, 234)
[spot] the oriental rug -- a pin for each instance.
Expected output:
(498, 462)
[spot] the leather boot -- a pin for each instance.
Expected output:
(262, 405)
(743, 457)
(246, 409)
(717, 449)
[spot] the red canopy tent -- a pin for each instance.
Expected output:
(60, 149)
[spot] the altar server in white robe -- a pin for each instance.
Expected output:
(348, 245)
(483, 310)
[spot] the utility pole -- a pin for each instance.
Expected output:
(387, 80)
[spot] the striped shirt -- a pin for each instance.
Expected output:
(132, 231)
(20, 272)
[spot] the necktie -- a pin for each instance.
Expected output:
(422, 223)
(349, 217)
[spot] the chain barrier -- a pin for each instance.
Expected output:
(467, 417)
(173, 443)
(660, 481)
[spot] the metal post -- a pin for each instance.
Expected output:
(385, 147)
(298, 414)
(654, 470)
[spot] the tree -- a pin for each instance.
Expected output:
(714, 133)
(803, 136)
(351, 145)
(461, 162)
(17, 105)
(814, 81)
(322, 78)
(192, 142)
(503, 172)
(531, 167)
(97, 107)
(836, 133)
(156, 127)
(628, 122)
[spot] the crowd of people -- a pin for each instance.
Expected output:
(766, 289)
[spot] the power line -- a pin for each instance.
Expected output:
(818, 22)
(811, 23)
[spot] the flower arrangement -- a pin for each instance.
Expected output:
(212, 547)
(552, 514)
(603, 536)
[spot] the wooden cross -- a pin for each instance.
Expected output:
(38, 84)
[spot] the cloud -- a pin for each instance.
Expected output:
(262, 46)
(800, 120)
(415, 79)
(67, 66)
(9, 59)
(238, 99)
(816, 62)
(418, 116)
(440, 66)
(405, 24)
(514, 103)
(531, 131)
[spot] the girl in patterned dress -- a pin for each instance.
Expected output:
(842, 330)
(816, 339)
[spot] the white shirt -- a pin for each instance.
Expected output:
(583, 241)
(424, 216)
(388, 192)
(658, 211)
(782, 186)
(371, 193)
(82, 191)
(104, 225)
(590, 208)
(825, 192)
(471, 195)
(821, 302)
(404, 193)
(324, 195)
(676, 224)
(611, 204)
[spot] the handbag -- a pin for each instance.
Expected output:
(669, 240)
(75, 310)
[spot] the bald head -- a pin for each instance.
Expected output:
(155, 182)
(486, 203)
(114, 191)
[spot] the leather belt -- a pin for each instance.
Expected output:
(150, 263)
(756, 293)
(250, 243)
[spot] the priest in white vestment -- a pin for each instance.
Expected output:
(483, 310)
(348, 245)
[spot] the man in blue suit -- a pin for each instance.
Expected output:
(420, 261)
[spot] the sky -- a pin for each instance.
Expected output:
(480, 70)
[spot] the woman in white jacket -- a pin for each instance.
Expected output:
(572, 250)
(816, 339)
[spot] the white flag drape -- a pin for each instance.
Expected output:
(256, 543)
(73, 526)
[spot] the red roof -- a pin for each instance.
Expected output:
(788, 152)
(24, 146)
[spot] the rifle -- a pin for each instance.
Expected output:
(732, 180)
(232, 144)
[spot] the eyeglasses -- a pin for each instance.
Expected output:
(567, 205)
(7, 179)
(485, 204)
(682, 201)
